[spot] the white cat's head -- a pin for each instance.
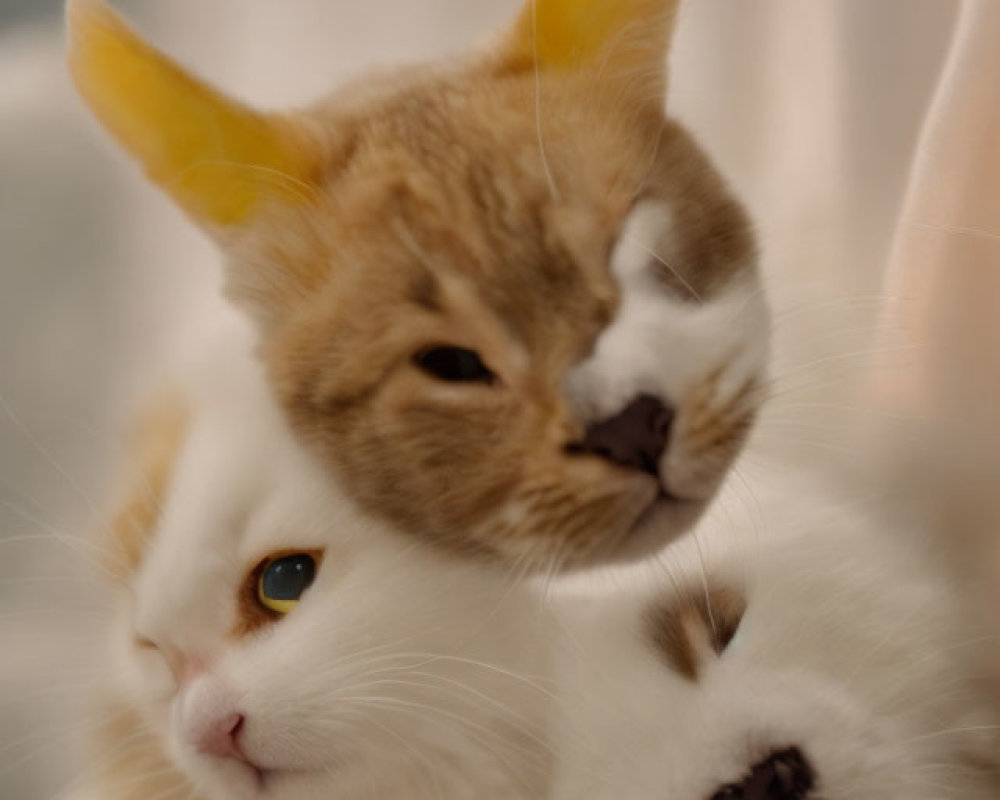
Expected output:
(278, 645)
(506, 299)
(834, 675)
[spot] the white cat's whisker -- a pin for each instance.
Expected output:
(141, 778)
(143, 734)
(466, 722)
(856, 355)
(48, 734)
(42, 580)
(881, 413)
(27, 613)
(468, 694)
(852, 302)
(953, 732)
(891, 636)
(423, 760)
(951, 229)
(23, 495)
(362, 659)
(484, 737)
(77, 544)
(49, 458)
(54, 737)
(167, 794)
(828, 447)
(532, 682)
(53, 689)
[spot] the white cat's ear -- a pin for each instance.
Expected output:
(619, 40)
(220, 160)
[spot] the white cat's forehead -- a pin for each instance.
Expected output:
(241, 490)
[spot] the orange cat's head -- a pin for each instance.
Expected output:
(506, 300)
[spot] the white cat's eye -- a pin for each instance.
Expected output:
(454, 365)
(284, 580)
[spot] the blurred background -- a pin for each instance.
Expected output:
(813, 110)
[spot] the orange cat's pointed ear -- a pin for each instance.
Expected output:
(218, 159)
(621, 39)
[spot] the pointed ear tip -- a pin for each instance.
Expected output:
(80, 14)
(91, 27)
(577, 32)
(85, 17)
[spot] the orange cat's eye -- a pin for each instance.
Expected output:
(454, 365)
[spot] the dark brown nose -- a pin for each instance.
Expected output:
(787, 775)
(635, 437)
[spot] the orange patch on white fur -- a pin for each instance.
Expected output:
(152, 450)
(691, 626)
(130, 761)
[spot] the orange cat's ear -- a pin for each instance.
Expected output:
(623, 40)
(220, 160)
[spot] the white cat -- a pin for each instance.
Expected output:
(832, 662)
(402, 673)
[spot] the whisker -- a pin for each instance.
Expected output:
(268, 175)
(546, 168)
(952, 229)
(75, 543)
(49, 458)
(673, 270)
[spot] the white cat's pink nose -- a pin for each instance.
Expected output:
(220, 736)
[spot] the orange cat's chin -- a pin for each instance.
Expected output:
(663, 521)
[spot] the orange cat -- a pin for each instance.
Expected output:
(506, 300)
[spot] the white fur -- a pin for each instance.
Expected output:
(401, 673)
(663, 345)
(851, 649)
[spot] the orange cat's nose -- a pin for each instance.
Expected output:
(635, 437)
